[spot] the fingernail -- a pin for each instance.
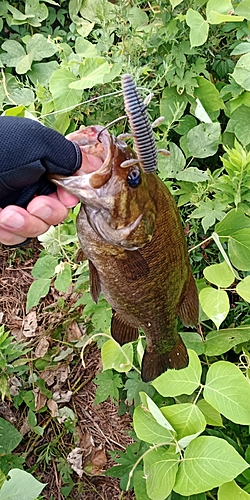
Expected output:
(12, 219)
(42, 213)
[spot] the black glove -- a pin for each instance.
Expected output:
(28, 152)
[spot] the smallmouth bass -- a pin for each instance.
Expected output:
(130, 231)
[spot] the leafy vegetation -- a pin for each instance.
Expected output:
(61, 63)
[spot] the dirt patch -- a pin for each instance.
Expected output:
(99, 427)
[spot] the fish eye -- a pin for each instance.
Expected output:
(134, 178)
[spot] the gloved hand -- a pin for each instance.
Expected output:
(30, 151)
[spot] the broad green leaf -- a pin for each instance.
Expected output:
(176, 496)
(86, 48)
(45, 267)
(137, 17)
(239, 249)
(64, 277)
(218, 342)
(170, 165)
(160, 469)
(231, 491)
(243, 289)
(233, 221)
(117, 357)
(92, 72)
(148, 429)
(37, 290)
(174, 3)
(203, 140)
(21, 486)
(140, 485)
(193, 340)
(198, 28)
(172, 105)
(148, 403)
(215, 304)
(15, 52)
(208, 462)
(243, 9)
(209, 211)
(108, 384)
(219, 12)
(24, 65)
(241, 48)
(39, 47)
(41, 72)
(228, 391)
(185, 124)
(212, 416)
(176, 382)
(208, 95)
(63, 95)
(239, 122)
(84, 28)
(241, 72)
(185, 418)
(219, 274)
(192, 174)
(10, 437)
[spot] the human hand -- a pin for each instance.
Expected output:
(17, 224)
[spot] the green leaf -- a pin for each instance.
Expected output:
(176, 382)
(172, 105)
(219, 274)
(241, 48)
(21, 486)
(4, 383)
(218, 12)
(117, 357)
(198, 28)
(218, 342)
(228, 391)
(41, 72)
(185, 124)
(9, 437)
(209, 211)
(160, 469)
(215, 304)
(63, 95)
(233, 221)
(64, 277)
(212, 416)
(148, 429)
(243, 288)
(193, 340)
(40, 47)
(203, 140)
(37, 290)
(208, 95)
(92, 72)
(185, 418)
(170, 165)
(243, 9)
(137, 17)
(45, 267)
(108, 384)
(239, 249)
(15, 52)
(32, 420)
(24, 64)
(231, 491)
(140, 485)
(208, 462)
(155, 411)
(174, 3)
(241, 73)
(192, 174)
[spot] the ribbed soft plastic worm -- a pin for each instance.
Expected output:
(144, 142)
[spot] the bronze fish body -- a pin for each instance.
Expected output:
(130, 230)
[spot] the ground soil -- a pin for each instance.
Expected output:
(99, 427)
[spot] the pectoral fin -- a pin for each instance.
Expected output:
(134, 266)
(154, 364)
(121, 330)
(94, 282)
(189, 308)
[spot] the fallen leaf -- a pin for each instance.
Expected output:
(40, 399)
(30, 324)
(42, 348)
(53, 407)
(14, 385)
(73, 332)
(99, 457)
(62, 396)
(74, 459)
(25, 427)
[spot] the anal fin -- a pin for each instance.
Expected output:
(154, 364)
(189, 308)
(121, 330)
(94, 282)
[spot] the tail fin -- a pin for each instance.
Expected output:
(154, 364)
(189, 308)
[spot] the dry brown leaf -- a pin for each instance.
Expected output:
(53, 407)
(15, 385)
(25, 428)
(30, 324)
(42, 348)
(48, 376)
(74, 459)
(62, 396)
(73, 332)
(40, 399)
(99, 458)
